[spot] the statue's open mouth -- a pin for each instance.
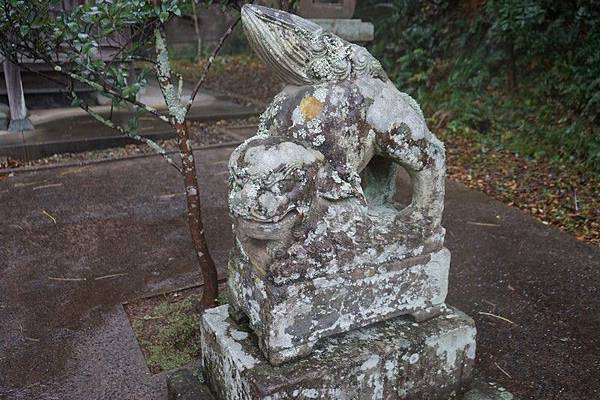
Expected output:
(267, 230)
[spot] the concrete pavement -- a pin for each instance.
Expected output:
(76, 242)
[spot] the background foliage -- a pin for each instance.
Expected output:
(521, 74)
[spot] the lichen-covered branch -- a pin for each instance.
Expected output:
(98, 117)
(164, 74)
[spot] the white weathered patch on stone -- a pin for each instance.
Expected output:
(261, 162)
(371, 362)
(413, 358)
(297, 117)
(390, 110)
(238, 335)
(320, 93)
(319, 140)
(364, 363)
(216, 319)
(451, 345)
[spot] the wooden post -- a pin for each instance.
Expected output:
(16, 98)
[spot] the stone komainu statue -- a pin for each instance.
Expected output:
(321, 244)
(326, 260)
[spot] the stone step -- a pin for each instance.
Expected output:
(37, 84)
(395, 359)
(188, 384)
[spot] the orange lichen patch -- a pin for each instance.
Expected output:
(310, 107)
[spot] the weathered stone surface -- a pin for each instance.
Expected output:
(187, 384)
(396, 359)
(290, 318)
(326, 259)
(301, 52)
(322, 246)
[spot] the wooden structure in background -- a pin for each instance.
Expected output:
(19, 84)
(16, 98)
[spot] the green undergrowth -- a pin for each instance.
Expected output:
(521, 75)
(168, 330)
(169, 334)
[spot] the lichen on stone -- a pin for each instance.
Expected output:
(322, 244)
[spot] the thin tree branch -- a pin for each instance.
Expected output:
(197, 29)
(107, 89)
(139, 58)
(151, 143)
(130, 40)
(208, 64)
(164, 74)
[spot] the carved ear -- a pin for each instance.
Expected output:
(331, 186)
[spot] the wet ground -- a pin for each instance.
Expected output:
(79, 241)
(76, 242)
(545, 282)
(70, 129)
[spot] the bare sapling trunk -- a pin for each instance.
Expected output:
(512, 66)
(178, 112)
(197, 29)
(194, 213)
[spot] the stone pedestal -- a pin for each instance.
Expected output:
(290, 318)
(395, 359)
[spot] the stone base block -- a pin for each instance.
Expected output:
(395, 359)
(291, 318)
(352, 30)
